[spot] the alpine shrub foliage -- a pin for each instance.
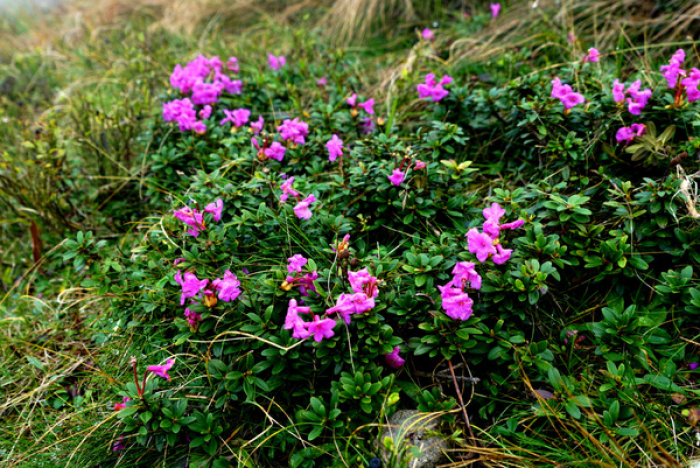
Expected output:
(320, 263)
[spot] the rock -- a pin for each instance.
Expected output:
(412, 428)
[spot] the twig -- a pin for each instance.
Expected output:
(461, 402)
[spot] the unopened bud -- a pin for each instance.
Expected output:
(210, 300)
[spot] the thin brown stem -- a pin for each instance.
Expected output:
(461, 402)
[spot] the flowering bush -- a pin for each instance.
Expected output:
(345, 261)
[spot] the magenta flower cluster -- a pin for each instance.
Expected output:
(227, 289)
(681, 80)
(638, 99)
(294, 130)
(205, 79)
(627, 134)
(432, 89)
(297, 278)
(566, 95)
(592, 56)
(303, 207)
(365, 290)
(455, 300)
(194, 218)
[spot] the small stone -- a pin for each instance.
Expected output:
(411, 428)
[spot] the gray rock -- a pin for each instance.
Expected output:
(408, 429)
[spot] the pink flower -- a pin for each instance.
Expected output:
(276, 63)
(257, 126)
(673, 70)
(418, 165)
(294, 130)
(624, 134)
(232, 64)
(362, 282)
(190, 285)
(480, 244)
(495, 9)
(573, 99)
(592, 56)
(287, 190)
(302, 208)
(502, 256)
(465, 272)
(565, 94)
(627, 134)
(275, 151)
(182, 112)
(396, 177)
(344, 306)
(205, 112)
(293, 322)
(119, 445)
(367, 106)
(458, 307)
(206, 93)
(693, 365)
(121, 406)
(215, 208)
(192, 318)
(514, 225)
(352, 100)
(162, 371)
(691, 85)
(192, 218)
(428, 34)
(618, 91)
(238, 117)
(495, 212)
(367, 125)
(393, 359)
(321, 328)
(335, 147)
(322, 81)
(228, 288)
(296, 263)
(433, 90)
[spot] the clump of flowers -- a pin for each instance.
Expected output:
(276, 63)
(455, 298)
(592, 56)
(297, 278)
(566, 95)
(681, 80)
(393, 359)
(294, 130)
(238, 117)
(431, 89)
(396, 177)
(365, 289)
(486, 244)
(627, 134)
(182, 111)
(638, 99)
(335, 147)
(205, 79)
(194, 218)
(269, 150)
